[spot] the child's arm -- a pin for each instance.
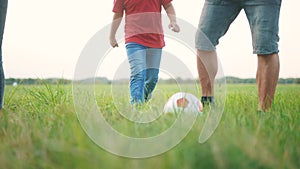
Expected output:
(172, 16)
(117, 18)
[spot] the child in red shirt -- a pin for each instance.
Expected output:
(144, 40)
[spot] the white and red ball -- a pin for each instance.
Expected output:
(183, 102)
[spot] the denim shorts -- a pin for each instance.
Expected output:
(262, 15)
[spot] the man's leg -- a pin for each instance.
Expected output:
(263, 20)
(207, 65)
(266, 78)
(215, 20)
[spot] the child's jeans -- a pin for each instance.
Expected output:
(144, 66)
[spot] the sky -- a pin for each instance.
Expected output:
(44, 38)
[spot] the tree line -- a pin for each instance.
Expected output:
(103, 80)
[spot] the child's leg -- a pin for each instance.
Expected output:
(137, 59)
(153, 57)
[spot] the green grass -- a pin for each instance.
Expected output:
(39, 129)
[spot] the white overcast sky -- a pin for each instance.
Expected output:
(44, 38)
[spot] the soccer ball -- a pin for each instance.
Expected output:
(183, 102)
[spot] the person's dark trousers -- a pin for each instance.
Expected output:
(3, 10)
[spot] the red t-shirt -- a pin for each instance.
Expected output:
(143, 23)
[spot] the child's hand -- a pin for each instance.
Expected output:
(113, 42)
(174, 27)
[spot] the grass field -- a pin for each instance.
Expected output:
(39, 129)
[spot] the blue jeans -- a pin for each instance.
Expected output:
(144, 67)
(262, 15)
(3, 10)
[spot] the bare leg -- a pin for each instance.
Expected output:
(266, 79)
(207, 65)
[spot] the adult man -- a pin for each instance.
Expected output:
(3, 9)
(263, 16)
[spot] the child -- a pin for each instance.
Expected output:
(144, 41)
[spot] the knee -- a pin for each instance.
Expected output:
(138, 76)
